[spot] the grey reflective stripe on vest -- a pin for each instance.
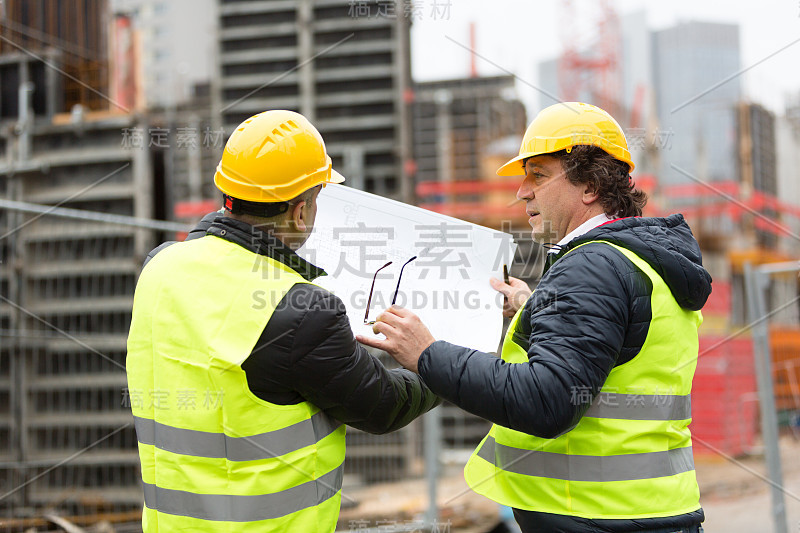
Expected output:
(640, 406)
(230, 508)
(219, 445)
(587, 467)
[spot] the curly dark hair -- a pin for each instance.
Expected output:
(610, 178)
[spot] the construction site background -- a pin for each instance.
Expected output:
(111, 126)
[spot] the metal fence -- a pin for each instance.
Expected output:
(774, 316)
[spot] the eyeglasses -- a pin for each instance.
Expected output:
(396, 290)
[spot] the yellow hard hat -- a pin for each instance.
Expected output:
(562, 126)
(274, 156)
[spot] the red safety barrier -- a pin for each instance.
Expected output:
(197, 209)
(724, 400)
(719, 302)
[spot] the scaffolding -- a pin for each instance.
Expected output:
(77, 30)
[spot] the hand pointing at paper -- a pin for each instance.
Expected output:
(406, 336)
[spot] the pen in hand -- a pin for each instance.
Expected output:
(505, 279)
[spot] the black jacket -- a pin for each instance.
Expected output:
(307, 351)
(589, 313)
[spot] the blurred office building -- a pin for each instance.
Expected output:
(175, 47)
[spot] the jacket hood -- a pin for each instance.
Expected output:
(667, 244)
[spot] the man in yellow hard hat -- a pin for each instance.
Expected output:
(246, 368)
(590, 399)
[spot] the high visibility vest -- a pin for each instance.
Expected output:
(214, 456)
(630, 455)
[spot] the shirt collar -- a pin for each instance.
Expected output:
(580, 230)
(262, 243)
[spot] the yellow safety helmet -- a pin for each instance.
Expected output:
(562, 126)
(274, 156)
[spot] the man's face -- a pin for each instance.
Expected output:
(555, 206)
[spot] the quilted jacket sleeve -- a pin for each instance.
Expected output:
(575, 322)
(308, 352)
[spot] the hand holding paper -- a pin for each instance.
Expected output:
(406, 336)
(516, 292)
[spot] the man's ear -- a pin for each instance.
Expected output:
(590, 194)
(298, 216)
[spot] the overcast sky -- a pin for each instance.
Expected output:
(517, 34)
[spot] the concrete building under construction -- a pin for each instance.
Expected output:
(67, 297)
(455, 124)
(344, 66)
(66, 284)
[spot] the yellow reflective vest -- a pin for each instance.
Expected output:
(630, 455)
(214, 456)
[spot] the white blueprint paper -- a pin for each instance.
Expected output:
(447, 285)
